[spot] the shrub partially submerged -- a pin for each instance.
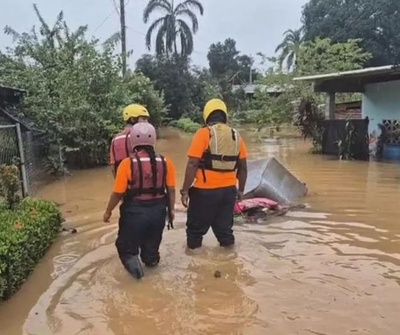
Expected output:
(185, 124)
(25, 234)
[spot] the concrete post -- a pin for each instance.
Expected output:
(25, 187)
(330, 106)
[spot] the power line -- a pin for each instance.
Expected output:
(116, 7)
(109, 15)
(102, 22)
(134, 30)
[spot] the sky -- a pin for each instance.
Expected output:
(256, 25)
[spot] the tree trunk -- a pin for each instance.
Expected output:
(123, 36)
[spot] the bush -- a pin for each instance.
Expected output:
(76, 92)
(9, 185)
(247, 116)
(185, 124)
(25, 234)
(308, 118)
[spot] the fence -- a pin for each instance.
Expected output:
(12, 151)
(335, 130)
(25, 149)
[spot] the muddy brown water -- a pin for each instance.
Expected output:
(333, 268)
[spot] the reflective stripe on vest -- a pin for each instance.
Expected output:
(141, 185)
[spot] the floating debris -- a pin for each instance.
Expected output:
(69, 230)
(217, 274)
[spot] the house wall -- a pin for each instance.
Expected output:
(381, 102)
(348, 110)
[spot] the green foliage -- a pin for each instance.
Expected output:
(185, 124)
(345, 144)
(319, 56)
(222, 58)
(9, 185)
(228, 64)
(309, 119)
(247, 116)
(54, 164)
(290, 47)
(228, 67)
(324, 56)
(278, 107)
(205, 88)
(172, 28)
(144, 92)
(76, 92)
(185, 89)
(375, 22)
(25, 235)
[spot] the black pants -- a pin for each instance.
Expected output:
(210, 208)
(141, 226)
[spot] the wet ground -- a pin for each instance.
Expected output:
(333, 268)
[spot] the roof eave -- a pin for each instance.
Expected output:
(334, 75)
(13, 88)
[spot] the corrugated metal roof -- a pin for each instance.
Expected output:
(251, 88)
(371, 71)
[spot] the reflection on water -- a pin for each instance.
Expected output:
(333, 268)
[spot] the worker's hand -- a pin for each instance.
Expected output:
(172, 213)
(106, 217)
(240, 195)
(185, 199)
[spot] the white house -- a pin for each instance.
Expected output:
(380, 87)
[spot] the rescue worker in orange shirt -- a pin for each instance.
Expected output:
(215, 177)
(120, 147)
(146, 184)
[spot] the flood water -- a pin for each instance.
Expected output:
(333, 268)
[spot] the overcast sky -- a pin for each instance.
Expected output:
(256, 25)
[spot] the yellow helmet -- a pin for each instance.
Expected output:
(134, 111)
(212, 106)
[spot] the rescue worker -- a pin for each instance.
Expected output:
(217, 161)
(145, 182)
(120, 147)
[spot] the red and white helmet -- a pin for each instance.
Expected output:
(143, 133)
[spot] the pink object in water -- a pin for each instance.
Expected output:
(242, 206)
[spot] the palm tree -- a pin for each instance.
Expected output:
(171, 27)
(290, 47)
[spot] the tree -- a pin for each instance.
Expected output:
(204, 88)
(295, 99)
(324, 56)
(185, 89)
(229, 67)
(172, 27)
(173, 77)
(276, 109)
(227, 63)
(290, 47)
(76, 92)
(222, 59)
(376, 22)
(245, 65)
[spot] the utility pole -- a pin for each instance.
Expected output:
(123, 36)
(251, 75)
(251, 71)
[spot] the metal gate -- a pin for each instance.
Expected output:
(12, 151)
